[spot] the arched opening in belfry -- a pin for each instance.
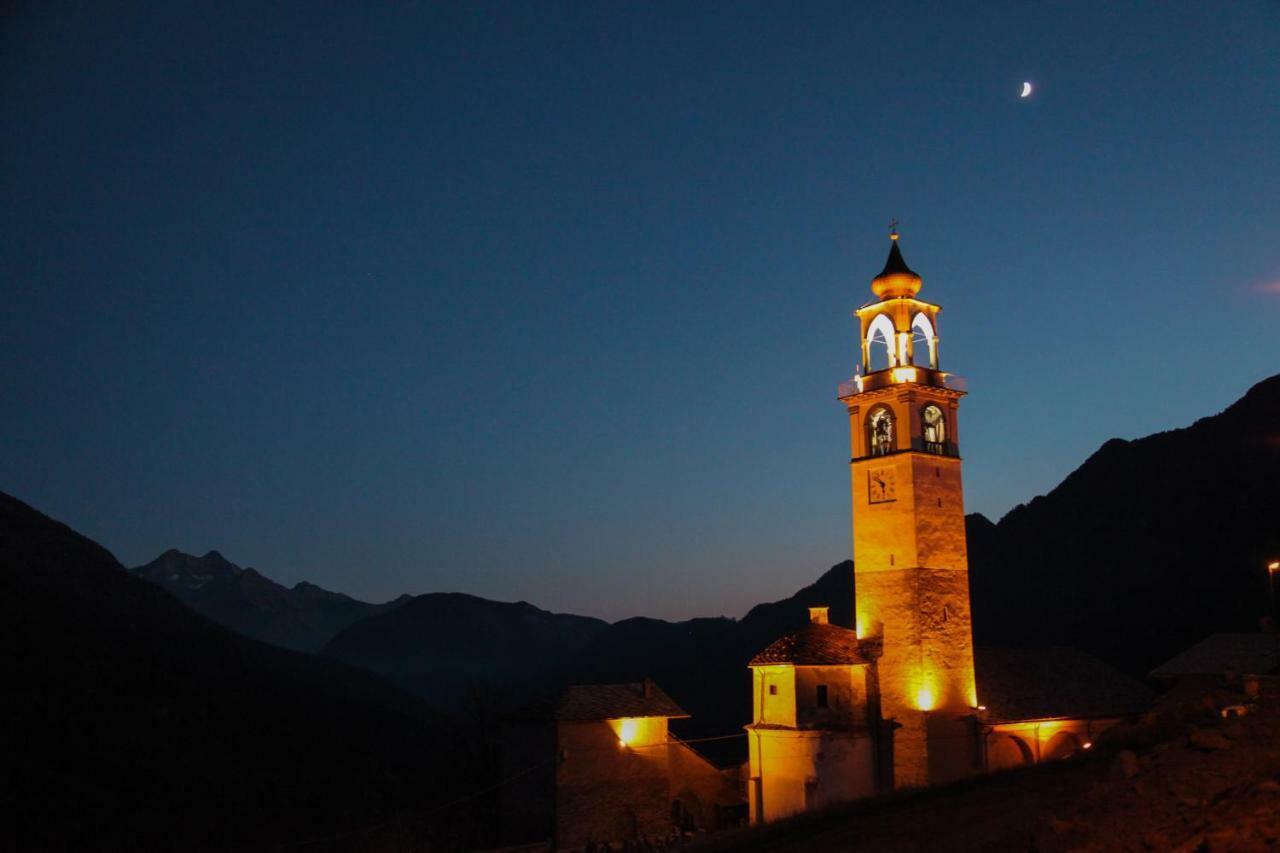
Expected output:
(924, 342)
(880, 438)
(881, 344)
(933, 429)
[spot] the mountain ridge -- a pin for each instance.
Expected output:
(302, 617)
(121, 691)
(1181, 522)
(1072, 566)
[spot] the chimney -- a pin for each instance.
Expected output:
(818, 615)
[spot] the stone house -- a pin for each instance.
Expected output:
(598, 764)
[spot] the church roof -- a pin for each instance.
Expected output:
(816, 644)
(1251, 654)
(895, 262)
(1048, 683)
(585, 702)
(896, 279)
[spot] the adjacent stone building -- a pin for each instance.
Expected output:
(812, 721)
(597, 764)
(1046, 704)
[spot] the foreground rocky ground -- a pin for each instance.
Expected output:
(1185, 778)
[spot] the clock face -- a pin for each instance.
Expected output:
(880, 485)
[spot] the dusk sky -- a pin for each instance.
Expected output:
(550, 301)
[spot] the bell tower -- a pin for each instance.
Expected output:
(911, 570)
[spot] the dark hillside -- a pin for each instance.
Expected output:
(453, 648)
(445, 646)
(140, 725)
(1145, 548)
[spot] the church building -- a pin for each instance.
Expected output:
(893, 701)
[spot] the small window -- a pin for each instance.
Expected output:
(822, 695)
(773, 690)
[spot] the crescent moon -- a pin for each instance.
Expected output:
(1026, 90)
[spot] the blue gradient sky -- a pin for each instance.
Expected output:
(550, 301)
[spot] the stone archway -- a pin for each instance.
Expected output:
(1061, 745)
(1005, 751)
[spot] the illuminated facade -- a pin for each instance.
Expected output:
(813, 739)
(840, 713)
(908, 709)
(911, 574)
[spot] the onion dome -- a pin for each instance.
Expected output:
(896, 279)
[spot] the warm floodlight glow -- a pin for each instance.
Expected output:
(904, 374)
(925, 699)
(1087, 745)
(1274, 566)
(628, 730)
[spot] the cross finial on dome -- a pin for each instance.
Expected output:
(893, 228)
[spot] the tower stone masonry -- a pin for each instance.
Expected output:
(840, 713)
(911, 575)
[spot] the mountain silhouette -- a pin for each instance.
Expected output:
(452, 648)
(135, 723)
(303, 618)
(447, 645)
(1146, 547)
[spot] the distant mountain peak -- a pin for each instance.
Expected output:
(249, 602)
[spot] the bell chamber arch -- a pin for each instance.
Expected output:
(881, 438)
(924, 342)
(933, 429)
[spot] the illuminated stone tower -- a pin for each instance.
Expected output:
(911, 571)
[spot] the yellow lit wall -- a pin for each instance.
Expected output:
(912, 584)
(774, 689)
(640, 731)
(792, 770)
(803, 755)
